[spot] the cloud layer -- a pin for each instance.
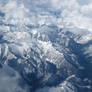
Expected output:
(73, 12)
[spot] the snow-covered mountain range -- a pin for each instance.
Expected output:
(45, 46)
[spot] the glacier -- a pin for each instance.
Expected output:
(45, 46)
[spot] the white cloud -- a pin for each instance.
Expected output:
(87, 10)
(84, 2)
(73, 12)
(9, 81)
(64, 4)
(15, 13)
